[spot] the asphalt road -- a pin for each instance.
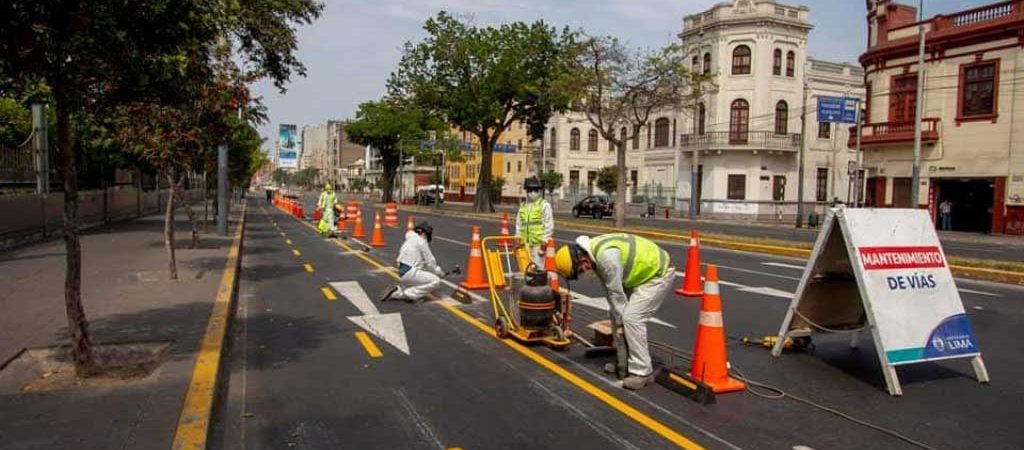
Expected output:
(299, 376)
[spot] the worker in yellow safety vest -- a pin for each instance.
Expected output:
(637, 274)
(326, 202)
(535, 222)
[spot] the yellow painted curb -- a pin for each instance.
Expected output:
(194, 423)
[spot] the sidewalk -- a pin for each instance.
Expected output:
(128, 298)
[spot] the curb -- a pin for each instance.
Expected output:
(194, 423)
(959, 270)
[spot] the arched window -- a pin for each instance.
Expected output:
(592, 141)
(695, 65)
(781, 117)
(636, 137)
(777, 62)
(741, 60)
(553, 139)
(790, 64)
(701, 119)
(622, 137)
(661, 132)
(574, 139)
(707, 63)
(739, 121)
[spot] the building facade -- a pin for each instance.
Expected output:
(512, 161)
(326, 147)
(972, 152)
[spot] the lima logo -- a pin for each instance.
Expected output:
(938, 343)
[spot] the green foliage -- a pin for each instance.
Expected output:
(551, 180)
(358, 184)
(496, 188)
(608, 179)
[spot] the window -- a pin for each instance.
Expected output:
(695, 64)
(661, 132)
(574, 139)
(519, 166)
(741, 60)
(553, 140)
(739, 118)
(636, 138)
(508, 166)
(824, 130)
(779, 188)
(790, 64)
(519, 145)
(821, 185)
(781, 117)
(707, 63)
(777, 62)
(574, 178)
(673, 132)
(903, 98)
(592, 141)
(737, 187)
(978, 86)
(701, 119)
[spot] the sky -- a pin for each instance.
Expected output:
(350, 50)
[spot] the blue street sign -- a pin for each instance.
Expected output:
(837, 109)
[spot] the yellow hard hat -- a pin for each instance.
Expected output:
(565, 262)
(327, 187)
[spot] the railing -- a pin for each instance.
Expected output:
(751, 140)
(895, 132)
(982, 14)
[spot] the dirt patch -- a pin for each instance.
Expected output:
(52, 369)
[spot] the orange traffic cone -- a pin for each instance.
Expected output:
(378, 233)
(358, 232)
(475, 278)
(691, 283)
(391, 214)
(710, 364)
(410, 225)
(505, 243)
(549, 264)
(317, 214)
(342, 224)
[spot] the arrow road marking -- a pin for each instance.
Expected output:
(387, 327)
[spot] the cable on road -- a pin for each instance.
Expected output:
(824, 328)
(770, 392)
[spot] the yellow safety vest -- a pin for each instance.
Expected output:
(642, 260)
(531, 220)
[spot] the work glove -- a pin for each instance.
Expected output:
(439, 271)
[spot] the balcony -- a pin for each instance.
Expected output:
(895, 132)
(751, 140)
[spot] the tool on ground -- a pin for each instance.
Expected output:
(378, 233)
(791, 343)
(358, 232)
(475, 277)
(525, 307)
(391, 214)
(691, 282)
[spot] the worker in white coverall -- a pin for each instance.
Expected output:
(637, 274)
(420, 274)
(535, 222)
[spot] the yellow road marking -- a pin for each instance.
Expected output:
(308, 267)
(288, 241)
(282, 234)
(682, 381)
(296, 252)
(194, 422)
(328, 294)
(368, 344)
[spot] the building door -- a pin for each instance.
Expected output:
(875, 192)
(901, 192)
(779, 188)
(971, 201)
(591, 179)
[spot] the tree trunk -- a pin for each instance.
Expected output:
(620, 191)
(388, 177)
(206, 204)
(191, 216)
(482, 203)
(172, 264)
(78, 326)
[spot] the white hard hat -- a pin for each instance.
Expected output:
(584, 242)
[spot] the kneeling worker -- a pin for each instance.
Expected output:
(636, 274)
(420, 274)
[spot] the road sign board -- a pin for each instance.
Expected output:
(837, 109)
(884, 270)
(851, 168)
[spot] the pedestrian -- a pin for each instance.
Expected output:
(946, 214)
(637, 274)
(326, 204)
(420, 274)
(535, 221)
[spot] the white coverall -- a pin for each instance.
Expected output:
(634, 308)
(424, 276)
(547, 230)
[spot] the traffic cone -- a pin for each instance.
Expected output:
(410, 225)
(391, 215)
(342, 224)
(475, 278)
(378, 233)
(317, 214)
(710, 364)
(691, 283)
(549, 264)
(505, 243)
(357, 231)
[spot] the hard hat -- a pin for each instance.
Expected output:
(584, 243)
(327, 187)
(532, 184)
(424, 227)
(566, 261)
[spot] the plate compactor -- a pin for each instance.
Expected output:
(525, 306)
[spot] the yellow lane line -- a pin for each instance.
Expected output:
(194, 422)
(288, 241)
(296, 252)
(328, 294)
(368, 345)
(308, 267)
(282, 234)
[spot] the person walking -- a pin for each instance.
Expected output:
(637, 275)
(417, 267)
(535, 221)
(326, 202)
(946, 214)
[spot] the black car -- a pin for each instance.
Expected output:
(596, 206)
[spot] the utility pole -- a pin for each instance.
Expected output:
(695, 182)
(222, 190)
(915, 186)
(41, 147)
(800, 164)
(859, 158)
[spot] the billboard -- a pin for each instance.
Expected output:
(287, 149)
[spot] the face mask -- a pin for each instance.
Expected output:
(532, 195)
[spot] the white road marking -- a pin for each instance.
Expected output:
(783, 265)
(602, 304)
(453, 241)
(387, 327)
(972, 291)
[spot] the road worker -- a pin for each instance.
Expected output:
(420, 274)
(637, 274)
(535, 222)
(326, 203)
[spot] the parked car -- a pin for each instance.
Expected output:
(596, 206)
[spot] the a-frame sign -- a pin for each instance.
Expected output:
(884, 270)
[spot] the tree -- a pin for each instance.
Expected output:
(496, 188)
(608, 179)
(551, 180)
(617, 88)
(395, 129)
(483, 79)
